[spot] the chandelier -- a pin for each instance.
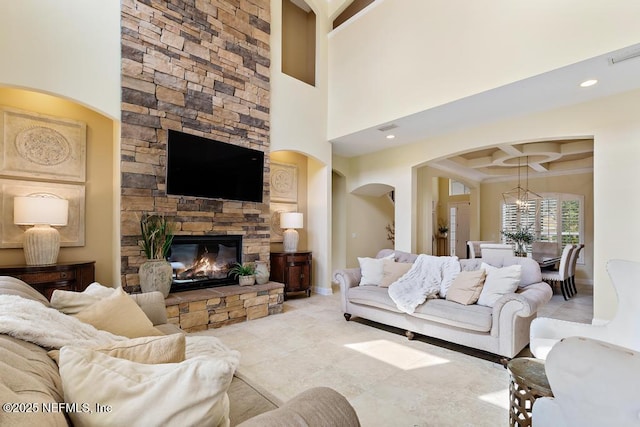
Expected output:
(522, 196)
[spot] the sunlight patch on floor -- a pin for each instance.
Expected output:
(499, 398)
(397, 355)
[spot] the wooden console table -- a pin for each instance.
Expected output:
(69, 276)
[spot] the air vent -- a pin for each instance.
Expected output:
(624, 56)
(387, 127)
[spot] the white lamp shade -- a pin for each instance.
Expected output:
(32, 210)
(291, 220)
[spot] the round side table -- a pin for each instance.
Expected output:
(528, 382)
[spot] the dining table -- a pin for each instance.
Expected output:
(546, 262)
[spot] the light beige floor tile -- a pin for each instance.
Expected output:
(389, 380)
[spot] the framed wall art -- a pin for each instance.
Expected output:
(276, 209)
(70, 235)
(42, 147)
(284, 182)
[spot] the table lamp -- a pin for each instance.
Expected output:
(41, 242)
(290, 221)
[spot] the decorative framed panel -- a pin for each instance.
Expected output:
(284, 182)
(42, 147)
(276, 209)
(70, 235)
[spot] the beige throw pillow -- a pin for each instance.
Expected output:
(189, 393)
(120, 315)
(466, 287)
(161, 349)
(392, 271)
(71, 302)
(499, 281)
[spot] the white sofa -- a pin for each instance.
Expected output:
(502, 329)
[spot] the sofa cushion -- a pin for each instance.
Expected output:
(29, 376)
(530, 269)
(13, 286)
(120, 315)
(193, 392)
(372, 270)
(473, 317)
(466, 287)
(372, 295)
(160, 349)
(71, 302)
(499, 282)
(392, 271)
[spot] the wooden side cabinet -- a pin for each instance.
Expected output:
(69, 276)
(293, 269)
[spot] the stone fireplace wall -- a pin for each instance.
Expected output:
(201, 67)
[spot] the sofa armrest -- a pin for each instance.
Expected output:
(316, 407)
(152, 303)
(347, 278)
(531, 297)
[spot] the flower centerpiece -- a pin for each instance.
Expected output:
(522, 236)
(156, 274)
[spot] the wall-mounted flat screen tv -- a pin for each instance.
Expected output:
(203, 167)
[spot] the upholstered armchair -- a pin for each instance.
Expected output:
(623, 329)
(594, 384)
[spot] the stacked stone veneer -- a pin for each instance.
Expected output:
(201, 67)
(204, 309)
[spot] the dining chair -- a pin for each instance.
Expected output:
(561, 275)
(473, 248)
(496, 250)
(572, 267)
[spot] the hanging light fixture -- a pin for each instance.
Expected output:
(521, 196)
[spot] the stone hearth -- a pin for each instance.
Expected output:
(202, 309)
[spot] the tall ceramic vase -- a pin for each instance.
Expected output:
(262, 272)
(156, 275)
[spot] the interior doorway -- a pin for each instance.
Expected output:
(459, 230)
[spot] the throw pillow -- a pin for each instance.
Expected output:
(71, 302)
(372, 270)
(120, 315)
(466, 287)
(161, 349)
(189, 393)
(392, 271)
(499, 281)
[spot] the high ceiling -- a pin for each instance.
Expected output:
(554, 89)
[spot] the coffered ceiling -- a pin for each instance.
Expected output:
(552, 157)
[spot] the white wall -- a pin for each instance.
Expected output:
(299, 123)
(69, 48)
(405, 56)
(614, 125)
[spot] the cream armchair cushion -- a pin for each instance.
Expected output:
(623, 329)
(594, 384)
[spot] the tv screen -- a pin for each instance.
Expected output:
(203, 167)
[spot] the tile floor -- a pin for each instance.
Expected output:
(389, 380)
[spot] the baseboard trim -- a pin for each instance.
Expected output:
(322, 291)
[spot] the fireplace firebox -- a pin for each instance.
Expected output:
(204, 261)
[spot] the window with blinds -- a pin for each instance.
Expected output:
(556, 217)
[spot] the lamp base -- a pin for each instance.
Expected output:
(290, 240)
(41, 245)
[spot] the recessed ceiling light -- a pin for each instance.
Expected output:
(390, 136)
(588, 83)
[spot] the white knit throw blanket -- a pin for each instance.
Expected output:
(423, 280)
(32, 321)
